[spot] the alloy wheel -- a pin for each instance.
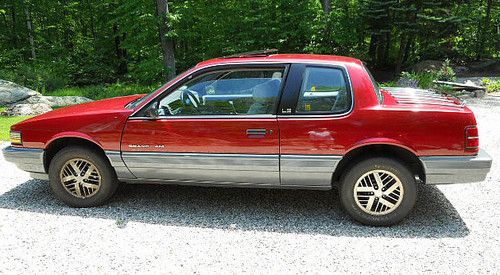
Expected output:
(80, 178)
(378, 192)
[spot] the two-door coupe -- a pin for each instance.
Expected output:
(261, 120)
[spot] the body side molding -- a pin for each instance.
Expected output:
(304, 171)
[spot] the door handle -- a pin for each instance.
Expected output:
(256, 132)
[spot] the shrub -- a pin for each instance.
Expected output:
(426, 79)
(103, 91)
(446, 72)
(492, 86)
(39, 77)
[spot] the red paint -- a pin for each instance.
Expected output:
(206, 136)
(423, 129)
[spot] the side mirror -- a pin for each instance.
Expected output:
(152, 112)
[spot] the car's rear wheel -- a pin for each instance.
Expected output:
(378, 191)
(81, 177)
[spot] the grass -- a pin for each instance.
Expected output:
(103, 91)
(6, 122)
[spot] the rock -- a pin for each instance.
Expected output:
(479, 93)
(426, 66)
(11, 93)
(28, 109)
(460, 69)
(484, 65)
(407, 82)
(56, 101)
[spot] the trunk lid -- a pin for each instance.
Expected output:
(414, 96)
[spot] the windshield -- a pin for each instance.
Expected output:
(380, 96)
(136, 102)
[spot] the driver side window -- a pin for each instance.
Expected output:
(228, 92)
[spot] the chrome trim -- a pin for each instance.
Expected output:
(326, 115)
(27, 159)
(456, 169)
(263, 63)
(308, 170)
(195, 70)
(222, 184)
(207, 117)
(256, 132)
(235, 168)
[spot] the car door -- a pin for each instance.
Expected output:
(314, 123)
(217, 125)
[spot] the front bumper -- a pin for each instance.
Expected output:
(456, 169)
(27, 159)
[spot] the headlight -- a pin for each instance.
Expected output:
(15, 138)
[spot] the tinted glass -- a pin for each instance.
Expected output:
(324, 90)
(235, 92)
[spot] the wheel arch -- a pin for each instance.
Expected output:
(58, 143)
(395, 151)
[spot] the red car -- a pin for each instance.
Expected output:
(260, 120)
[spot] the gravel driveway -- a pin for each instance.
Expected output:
(171, 229)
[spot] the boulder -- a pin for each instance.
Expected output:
(485, 65)
(11, 93)
(407, 82)
(28, 109)
(426, 66)
(56, 101)
(479, 93)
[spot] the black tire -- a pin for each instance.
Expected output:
(108, 183)
(393, 215)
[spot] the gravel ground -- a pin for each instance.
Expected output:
(171, 229)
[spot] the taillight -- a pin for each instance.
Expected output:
(471, 138)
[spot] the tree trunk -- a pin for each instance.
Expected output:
(401, 53)
(408, 47)
(92, 20)
(166, 43)
(14, 24)
(372, 49)
(120, 52)
(484, 30)
(327, 6)
(29, 24)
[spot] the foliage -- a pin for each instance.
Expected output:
(95, 42)
(446, 72)
(423, 80)
(389, 84)
(492, 86)
(426, 79)
(104, 91)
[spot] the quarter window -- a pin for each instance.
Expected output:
(233, 92)
(323, 90)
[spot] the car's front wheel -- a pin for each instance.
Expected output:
(378, 191)
(81, 177)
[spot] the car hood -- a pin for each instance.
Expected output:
(95, 107)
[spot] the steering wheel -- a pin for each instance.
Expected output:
(189, 98)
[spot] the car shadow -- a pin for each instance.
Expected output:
(285, 211)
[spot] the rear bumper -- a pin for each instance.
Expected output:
(456, 169)
(27, 159)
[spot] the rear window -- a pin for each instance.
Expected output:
(324, 91)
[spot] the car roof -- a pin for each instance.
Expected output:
(283, 58)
